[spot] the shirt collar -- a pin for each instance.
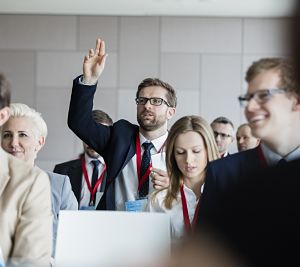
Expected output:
(272, 158)
(89, 159)
(225, 154)
(158, 142)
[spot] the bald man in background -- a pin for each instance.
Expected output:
(244, 138)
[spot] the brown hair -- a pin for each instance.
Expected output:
(183, 125)
(100, 116)
(171, 94)
(285, 67)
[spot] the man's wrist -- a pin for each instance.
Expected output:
(85, 82)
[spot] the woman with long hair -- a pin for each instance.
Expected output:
(189, 147)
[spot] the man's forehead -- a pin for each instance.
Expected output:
(154, 91)
(222, 127)
(265, 80)
(243, 129)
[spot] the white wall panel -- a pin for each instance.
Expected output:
(205, 59)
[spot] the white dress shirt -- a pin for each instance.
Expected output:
(126, 187)
(272, 158)
(85, 193)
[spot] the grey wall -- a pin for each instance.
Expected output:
(203, 58)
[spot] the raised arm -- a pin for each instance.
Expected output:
(80, 118)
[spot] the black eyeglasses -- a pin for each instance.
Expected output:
(222, 135)
(260, 96)
(155, 101)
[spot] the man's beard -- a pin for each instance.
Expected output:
(149, 124)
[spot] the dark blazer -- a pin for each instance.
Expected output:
(256, 214)
(116, 143)
(221, 174)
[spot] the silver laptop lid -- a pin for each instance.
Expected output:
(111, 238)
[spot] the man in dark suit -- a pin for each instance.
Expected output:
(272, 108)
(80, 170)
(250, 198)
(122, 144)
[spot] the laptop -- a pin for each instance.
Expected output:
(112, 238)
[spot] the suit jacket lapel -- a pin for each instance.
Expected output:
(130, 153)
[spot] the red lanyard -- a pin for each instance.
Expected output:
(138, 161)
(188, 225)
(261, 156)
(86, 177)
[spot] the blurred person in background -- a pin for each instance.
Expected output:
(244, 138)
(223, 129)
(250, 199)
(82, 170)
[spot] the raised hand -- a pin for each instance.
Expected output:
(94, 63)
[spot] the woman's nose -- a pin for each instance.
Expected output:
(189, 157)
(14, 141)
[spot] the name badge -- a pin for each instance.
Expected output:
(88, 208)
(136, 205)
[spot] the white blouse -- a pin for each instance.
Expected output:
(156, 204)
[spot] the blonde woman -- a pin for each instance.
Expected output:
(23, 135)
(190, 146)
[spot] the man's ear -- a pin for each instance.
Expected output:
(171, 112)
(296, 105)
(4, 115)
(232, 139)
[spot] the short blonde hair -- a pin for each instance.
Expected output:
(21, 110)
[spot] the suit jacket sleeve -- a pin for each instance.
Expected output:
(208, 198)
(34, 230)
(80, 119)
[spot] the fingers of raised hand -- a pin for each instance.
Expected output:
(98, 43)
(91, 53)
(102, 49)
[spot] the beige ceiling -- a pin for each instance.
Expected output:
(231, 8)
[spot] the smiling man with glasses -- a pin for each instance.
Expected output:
(127, 149)
(272, 108)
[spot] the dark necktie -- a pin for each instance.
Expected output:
(95, 175)
(146, 159)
